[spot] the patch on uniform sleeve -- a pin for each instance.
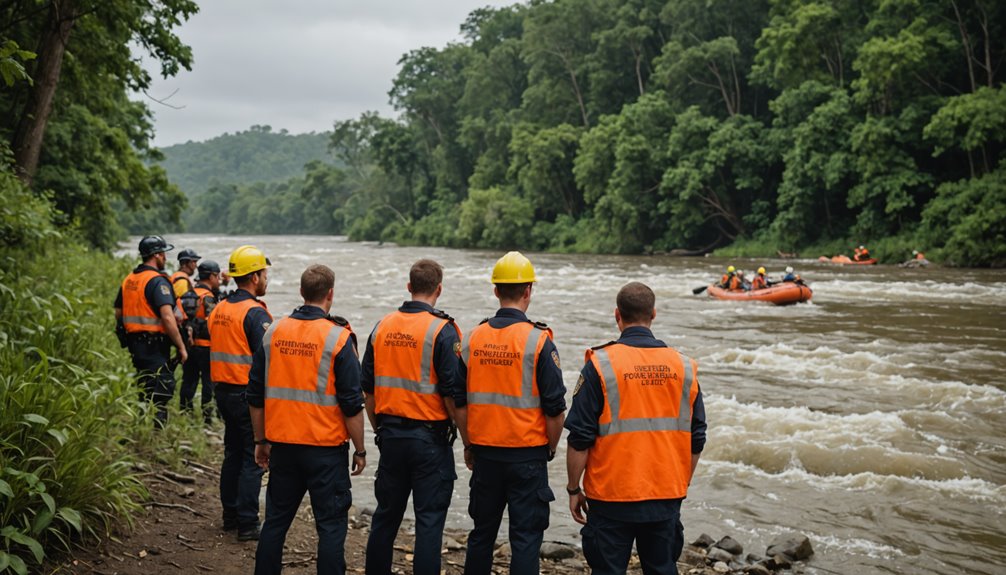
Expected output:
(265, 325)
(555, 358)
(579, 384)
(457, 348)
(165, 290)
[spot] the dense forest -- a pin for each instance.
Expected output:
(624, 126)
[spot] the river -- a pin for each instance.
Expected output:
(871, 420)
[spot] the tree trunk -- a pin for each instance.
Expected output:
(27, 141)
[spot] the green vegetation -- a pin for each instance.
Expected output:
(634, 126)
(72, 426)
(255, 155)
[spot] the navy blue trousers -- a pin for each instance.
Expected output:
(426, 470)
(240, 478)
(196, 370)
(324, 473)
(150, 354)
(523, 488)
(607, 544)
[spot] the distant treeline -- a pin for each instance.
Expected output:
(647, 125)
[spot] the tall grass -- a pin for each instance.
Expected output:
(72, 425)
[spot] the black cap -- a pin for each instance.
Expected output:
(188, 255)
(208, 268)
(151, 245)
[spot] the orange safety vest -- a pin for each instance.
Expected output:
(300, 400)
(758, 282)
(230, 352)
(504, 406)
(137, 314)
(405, 381)
(203, 293)
(180, 289)
(643, 447)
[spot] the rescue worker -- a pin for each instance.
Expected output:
(145, 323)
(412, 396)
(237, 325)
(732, 280)
(790, 275)
(759, 281)
(515, 410)
(861, 254)
(306, 405)
(636, 430)
(197, 306)
(181, 280)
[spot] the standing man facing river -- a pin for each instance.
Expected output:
(145, 322)
(516, 402)
(636, 428)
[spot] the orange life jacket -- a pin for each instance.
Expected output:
(643, 447)
(300, 400)
(758, 282)
(200, 331)
(735, 283)
(230, 352)
(920, 256)
(137, 314)
(504, 405)
(182, 287)
(405, 381)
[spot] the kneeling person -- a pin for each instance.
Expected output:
(306, 405)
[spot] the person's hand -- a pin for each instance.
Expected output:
(469, 458)
(578, 507)
(359, 462)
(262, 451)
(183, 354)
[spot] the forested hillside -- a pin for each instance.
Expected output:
(256, 155)
(648, 125)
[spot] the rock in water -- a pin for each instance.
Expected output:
(730, 545)
(793, 545)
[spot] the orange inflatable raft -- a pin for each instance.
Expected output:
(846, 260)
(780, 294)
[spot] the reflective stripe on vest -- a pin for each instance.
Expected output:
(301, 406)
(230, 352)
(681, 423)
(643, 447)
(137, 314)
(504, 407)
(405, 382)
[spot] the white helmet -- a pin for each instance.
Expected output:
(789, 269)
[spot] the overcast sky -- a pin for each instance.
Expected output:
(298, 65)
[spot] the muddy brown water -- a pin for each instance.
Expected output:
(872, 419)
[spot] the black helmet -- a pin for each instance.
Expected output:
(208, 268)
(188, 255)
(151, 245)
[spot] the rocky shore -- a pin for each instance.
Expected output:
(180, 532)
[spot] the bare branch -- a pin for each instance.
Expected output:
(164, 101)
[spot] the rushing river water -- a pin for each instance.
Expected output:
(871, 420)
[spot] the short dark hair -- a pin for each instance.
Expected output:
(246, 279)
(635, 302)
(315, 282)
(425, 276)
(511, 292)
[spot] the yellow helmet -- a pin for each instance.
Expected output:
(731, 269)
(246, 260)
(761, 271)
(513, 268)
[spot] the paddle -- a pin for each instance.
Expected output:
(699, 290)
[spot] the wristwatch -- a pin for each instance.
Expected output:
(262, 442)
(360, 453)
(576, 491)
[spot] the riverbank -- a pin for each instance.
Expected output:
(180, 531)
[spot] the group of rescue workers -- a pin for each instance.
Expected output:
(292, 394)
(734, 279)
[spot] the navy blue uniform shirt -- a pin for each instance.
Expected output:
(550, 389)
(345, 365)
(156, 297)
(588, 403)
